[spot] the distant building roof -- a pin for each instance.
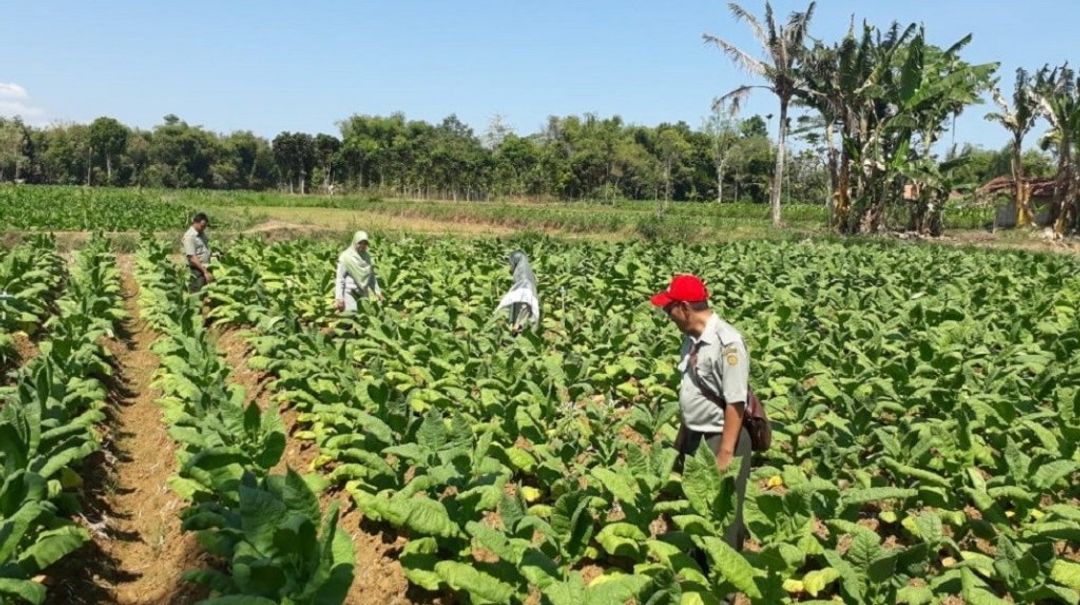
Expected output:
(1039, 187)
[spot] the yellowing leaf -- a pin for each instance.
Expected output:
(628, 390)
(1066, 573)
(794, 586)
(817, 580)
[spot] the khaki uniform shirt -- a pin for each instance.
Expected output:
(195, 244)
(723, 366)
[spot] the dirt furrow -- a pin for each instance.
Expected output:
(138, 553)
(379, 578)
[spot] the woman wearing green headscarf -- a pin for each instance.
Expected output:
(355, 275)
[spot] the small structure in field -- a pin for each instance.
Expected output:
(1038, 192)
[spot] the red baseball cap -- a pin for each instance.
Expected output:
(683, 288)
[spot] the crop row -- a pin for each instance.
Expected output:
(270, 542)
(31, 277)
(49, 419)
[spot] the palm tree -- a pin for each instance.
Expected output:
(1018, 120)
(783, 46)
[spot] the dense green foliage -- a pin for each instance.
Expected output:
(79, 209)
(48, 421)
(926, 416)
(117, 209)
(571, 158)
(30, 279)
(574, 157)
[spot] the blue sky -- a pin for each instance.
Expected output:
(277, 65)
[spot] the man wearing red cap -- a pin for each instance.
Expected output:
(714, 388)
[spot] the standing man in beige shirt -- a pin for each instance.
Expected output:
(197, 250)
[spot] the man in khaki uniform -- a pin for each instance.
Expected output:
(197, 250)
(714, 387)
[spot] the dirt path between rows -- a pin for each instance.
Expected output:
(138, 553)
(379, 578)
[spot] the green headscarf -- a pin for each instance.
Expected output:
(358, 264)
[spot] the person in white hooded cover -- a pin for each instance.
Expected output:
(522, 300)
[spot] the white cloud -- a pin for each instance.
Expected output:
(15, 102)
(13, 91)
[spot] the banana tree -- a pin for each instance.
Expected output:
(1058, 92)
(891, 94)
(1018, 119)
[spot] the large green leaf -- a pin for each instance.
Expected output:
(621, 540)
(22, 589)
(260, 512)
(299, 498)
(51, 546)
(732, 567)
(429, 517)
(703, 484)
(481, 587)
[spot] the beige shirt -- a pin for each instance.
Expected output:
(195, 244)
(723, 366)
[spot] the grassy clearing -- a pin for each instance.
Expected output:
(461, 219)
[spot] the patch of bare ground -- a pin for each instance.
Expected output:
(282, 222)
(138, 552)
(379, 578)
(276, 225)
(24, 350)
(590, 572)
(1029, 241)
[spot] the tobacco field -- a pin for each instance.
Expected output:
(925, 403)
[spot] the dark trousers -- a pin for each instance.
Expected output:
(198, 280)
(736, 533)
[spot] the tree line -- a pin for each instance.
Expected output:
(572, 157)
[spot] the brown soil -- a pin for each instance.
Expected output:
(25, 348)
(634, 437)
(138, 552)
(591, 572)
(379, 577)
(844, 543)
(276, 225)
